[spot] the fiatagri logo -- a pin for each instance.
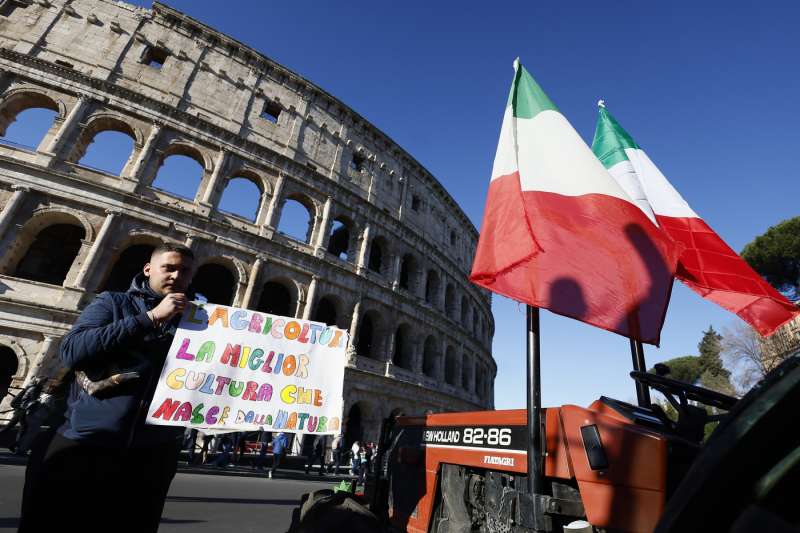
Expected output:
(499, 461)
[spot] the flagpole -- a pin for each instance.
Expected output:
(637, 355)
(534, 397)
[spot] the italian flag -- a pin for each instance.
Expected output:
(707, 265)
(561, 234)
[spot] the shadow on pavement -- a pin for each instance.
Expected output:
(231, 500)
(165, 520)
(11, 521)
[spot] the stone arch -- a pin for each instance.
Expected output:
(403, 353)
(100, 123)
(279, 296)
(466, 371)
(9, 366)
(21, 99)
(451, 366)
(340, 241)
(181, 146)
(432, 287)
(378, 259)
(358, 414)
(464, 312)
(257, 177)
(31, 256)
(293, 228)
(22, 359)
(450, 301)
(369, 334)
(327, 310)
(160, 180)
(128, 261)
(215, 279)
(409, 271)
(252, 178)
(430, 357)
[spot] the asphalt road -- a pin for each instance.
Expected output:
(198, 502)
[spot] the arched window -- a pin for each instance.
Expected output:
(408, 273)
(26, 118)
(430, 360)
(450, 301)
(30, 127)
(339, 240)
(216, 283)
(353, 429)
(276, 299)
(366, 334)
(296, 221)
(466, 372)
(325, 312)
(109, 151)
(376, 253)
(130, 263)
(403, 356)
(8, 367)
(432, 288)
(241, 197)
(479, 381)
(451, 366)
(464, 312)
(180, 175)
(51, 254)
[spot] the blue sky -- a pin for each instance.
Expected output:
(710, 92)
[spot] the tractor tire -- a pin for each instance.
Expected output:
(748, 471)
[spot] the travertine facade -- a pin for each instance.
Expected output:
(784, 342)
(396, 276)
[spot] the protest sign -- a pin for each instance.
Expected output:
(231, 369)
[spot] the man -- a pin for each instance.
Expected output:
(264, 438)
(279, 444)
(337, 448)
(21, 404)
(105, 469)
(318, 454)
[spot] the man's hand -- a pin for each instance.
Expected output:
(172, 304)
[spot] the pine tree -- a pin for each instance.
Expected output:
(710, 348)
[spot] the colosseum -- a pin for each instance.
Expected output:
(385, 255)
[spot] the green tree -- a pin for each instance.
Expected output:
(686, 368)
(776, 254)
(710, 348)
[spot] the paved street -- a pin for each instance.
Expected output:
(198, 502)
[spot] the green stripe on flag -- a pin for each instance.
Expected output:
(610, 140)
(526, 97)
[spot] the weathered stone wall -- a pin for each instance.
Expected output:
(90, 61)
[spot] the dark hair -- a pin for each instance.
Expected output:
(165, 247)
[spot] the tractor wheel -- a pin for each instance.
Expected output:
(450, 513)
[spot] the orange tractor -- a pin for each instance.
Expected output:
(611, 466)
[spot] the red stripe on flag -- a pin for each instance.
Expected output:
(598, 259)
(712, 269)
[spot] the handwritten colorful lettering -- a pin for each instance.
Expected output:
(233, 369)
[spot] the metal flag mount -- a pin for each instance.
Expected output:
(534, 402)
(637, 355)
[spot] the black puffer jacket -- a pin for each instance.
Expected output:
(115, 335)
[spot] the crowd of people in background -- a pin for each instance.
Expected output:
(327, 455)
